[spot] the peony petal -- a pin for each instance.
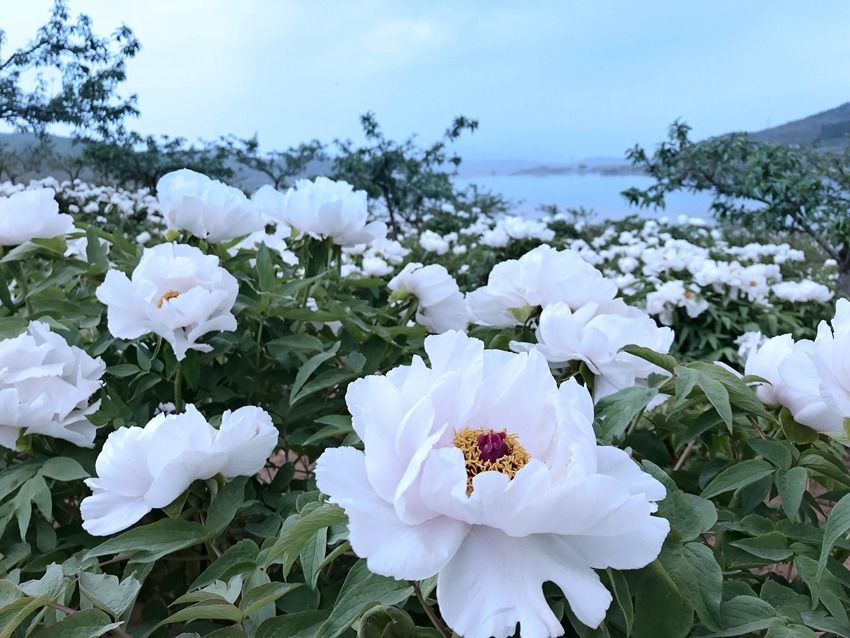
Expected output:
(390, 547)
(495, 581)
(106, 512)
(635, 549)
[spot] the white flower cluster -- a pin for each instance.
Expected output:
(101, 201)
(676, 273)
(574, 305)
(323, 209)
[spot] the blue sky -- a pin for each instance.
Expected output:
(549, 81)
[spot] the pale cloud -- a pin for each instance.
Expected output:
(548, 80)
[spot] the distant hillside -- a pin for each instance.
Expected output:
(829, 130)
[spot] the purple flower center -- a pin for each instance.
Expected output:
(493, 445)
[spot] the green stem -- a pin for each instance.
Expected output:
(259, 341)
(178, 388)
(22, 284)
(438, 623)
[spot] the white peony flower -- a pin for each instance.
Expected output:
(540, 277)
(765, 362)
(325, 209)
(802, 291)
(441, 304)
(376, 266)
(275, 240)
(32, 214)
(748, 343)
(434, 243)
(140, 469)
(595, 334)
(207, 208)
(45, 387)
(671, 295)
(176, 292)
(817, 376)
(480, 469)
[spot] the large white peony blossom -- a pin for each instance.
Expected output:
(32, 214)
(45, 387)
(482, 470)
(595, 334)
(816, 376)
(176, 292)
(441, 304)
(540, 277)
(207, 208)
(323, 209)
(140, 469)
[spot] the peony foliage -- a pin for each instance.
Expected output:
(224, 416)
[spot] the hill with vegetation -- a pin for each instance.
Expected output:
(828, 130)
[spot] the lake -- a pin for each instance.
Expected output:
(598, 192)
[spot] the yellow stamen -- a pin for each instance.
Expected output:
(171, 294)
(468, 441)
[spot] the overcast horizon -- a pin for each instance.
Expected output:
(548, 82)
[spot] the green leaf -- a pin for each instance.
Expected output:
(51, 584)
(620, 588)
(263, 595)
(56, 246)
(306, 370)
(312, 555)
(656, 591)
(89, 623)
(105, 592)
(238, 558)
(151, 542)
(795, 432)
(36, 491)
(792, 485)
(123, 370)
(772, 546)
(615, 412)
(718, 396)
(837, 525)
(821, 622)
(205, 611)
(824, 587)
(664, 361)
(303, 624)
(689, 515)
(694, 568)
(61, 468)
(361, 591)
(776, 452)
(743, 615)
(12, 615)
(225, 505)
(737, 476)
(15, 476)
(293, 539)
(781, 630)
(265, 269)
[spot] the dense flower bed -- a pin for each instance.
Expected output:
(288, 423)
